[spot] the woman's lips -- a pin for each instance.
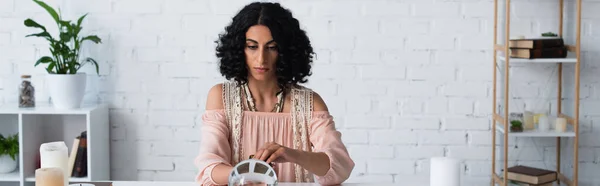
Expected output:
(260, 69)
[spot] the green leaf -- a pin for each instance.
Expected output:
(76, 29)
(44, 59)
(66, 26)
(80, 20)
(41, 34)
(50, 67)
(10, 146)
(32, 23)
(65, 23)
(95, 64)
(49, 9)
(65, 36)
(93, 38)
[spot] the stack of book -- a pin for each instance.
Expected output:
(530, 176)
(532, 48)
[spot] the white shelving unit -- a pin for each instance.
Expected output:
(44, 124)
(10, 177)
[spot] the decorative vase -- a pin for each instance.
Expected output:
(7, 164)
(67, 90)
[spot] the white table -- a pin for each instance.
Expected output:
(148, 183)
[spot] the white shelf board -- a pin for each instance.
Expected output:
(12, 176)
(44, 108)
(536, 133)
(539, 60)
(72, 179)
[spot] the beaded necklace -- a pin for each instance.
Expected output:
(250, 101)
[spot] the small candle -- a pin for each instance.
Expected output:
(543, 124)
(52, 176)
(54, 154)
(561, 124)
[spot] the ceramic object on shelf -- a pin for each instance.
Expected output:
(67, 90)
(7, 164)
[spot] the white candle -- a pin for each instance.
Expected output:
(561, 124)
(444, 171)
(543, 123)
(54, 154)
(52, 176)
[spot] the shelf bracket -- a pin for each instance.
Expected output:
(564, 179)
(499, 118)
(498, 180)
(500, 48)
(571, 48)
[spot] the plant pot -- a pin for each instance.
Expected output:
(67, 90)
(516, 129)
(7, 164)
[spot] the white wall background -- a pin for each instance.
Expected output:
(405, 79)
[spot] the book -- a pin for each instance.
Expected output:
(73, 155)
(531, 175)
(527, 184)
(554, 52)
(536, 43)
(80, 165)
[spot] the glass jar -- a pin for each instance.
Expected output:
(516, 116)
(26, 92)
(528, 121)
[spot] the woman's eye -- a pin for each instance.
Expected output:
(252, 47)
(273, 48)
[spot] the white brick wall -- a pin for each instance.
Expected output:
(405, 80)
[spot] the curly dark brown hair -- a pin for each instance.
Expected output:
(295, 51)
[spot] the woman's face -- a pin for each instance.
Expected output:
(261, 53)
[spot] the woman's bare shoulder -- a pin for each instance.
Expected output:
(319, 103)
(214, 100)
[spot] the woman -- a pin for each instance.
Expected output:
(262, 112)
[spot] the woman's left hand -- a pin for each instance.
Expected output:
(273, 152)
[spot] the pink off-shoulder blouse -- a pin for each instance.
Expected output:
(259, 128)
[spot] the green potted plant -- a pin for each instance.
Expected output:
(66, 84)
(549, 34)
(516, 126)
(9, 152)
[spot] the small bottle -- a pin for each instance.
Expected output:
(26, 92)
(528, 120)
